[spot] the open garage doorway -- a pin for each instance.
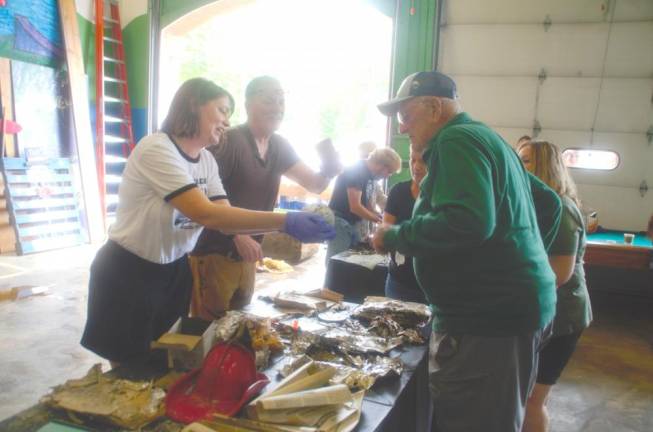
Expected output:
(333, 58)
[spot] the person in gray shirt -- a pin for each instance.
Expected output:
(252, 160)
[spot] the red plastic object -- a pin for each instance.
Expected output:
(224, 383)
(10, 127)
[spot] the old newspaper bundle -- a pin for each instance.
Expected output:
(305, 401)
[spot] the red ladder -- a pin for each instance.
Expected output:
(114, 138)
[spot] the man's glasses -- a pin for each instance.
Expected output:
(405, 113)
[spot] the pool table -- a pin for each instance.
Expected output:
(608, 249)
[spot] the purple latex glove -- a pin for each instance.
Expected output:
(308, 227)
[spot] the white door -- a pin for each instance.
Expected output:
(580, 71)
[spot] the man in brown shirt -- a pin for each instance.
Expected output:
(252, 159)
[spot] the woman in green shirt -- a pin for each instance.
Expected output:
(573, 310)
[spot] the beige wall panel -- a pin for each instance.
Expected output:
(625, 105)
(630, 50)
(511, 135)
(505, 102)
(633, 10)
(619, 208)
(523, 11)
(568, 103)
(636, 158)
(523, 50)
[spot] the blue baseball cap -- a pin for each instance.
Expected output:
(431, 83)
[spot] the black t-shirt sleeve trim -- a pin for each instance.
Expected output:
(179, 191)
(217, 197)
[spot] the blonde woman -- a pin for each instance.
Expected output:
(573, 310)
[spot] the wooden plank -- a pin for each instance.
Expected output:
(39, 245)
(31, 178)
(46, 216)
(17, 192)
(7, 239)
(49, 228)
(49, 204)
(6, 97)
(7, 234)
(47, 222)
(20, 163)
(620, 256)
(83, 135)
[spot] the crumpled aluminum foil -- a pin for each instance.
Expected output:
(254, 332)
(228, 326)
(406, 314)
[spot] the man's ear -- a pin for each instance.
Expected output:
(437, 108)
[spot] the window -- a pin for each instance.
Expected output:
(591, 159)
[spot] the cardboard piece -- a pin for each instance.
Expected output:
(281, 246)
(188, 341)
(19, 292)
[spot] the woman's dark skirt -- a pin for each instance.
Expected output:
(132, 302)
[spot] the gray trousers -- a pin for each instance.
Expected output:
(482, 383)
(347, 235)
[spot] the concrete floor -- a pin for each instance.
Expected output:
(607, 387)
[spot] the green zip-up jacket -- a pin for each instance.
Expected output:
(479, 246)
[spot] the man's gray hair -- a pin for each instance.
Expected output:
(259, 84)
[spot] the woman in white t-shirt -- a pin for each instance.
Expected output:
(140, 280)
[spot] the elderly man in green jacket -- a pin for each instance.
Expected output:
(480, 258)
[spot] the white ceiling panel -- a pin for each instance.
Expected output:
(611, 202)
(625, 105)
(633, 10)
(523, 11)
(563, 50)
(630, 50)
(568, 103)
(507, 102)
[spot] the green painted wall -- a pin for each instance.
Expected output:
(87, 36)
(135, 38)
(415, 40)
(174, 9)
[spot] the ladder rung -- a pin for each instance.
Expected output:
(112, 119)
(112, 179)
(110, 20)
(111, 159)
(114, 99)
(112, 60)
(110, 39)
(112, 79)
(110, 139)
